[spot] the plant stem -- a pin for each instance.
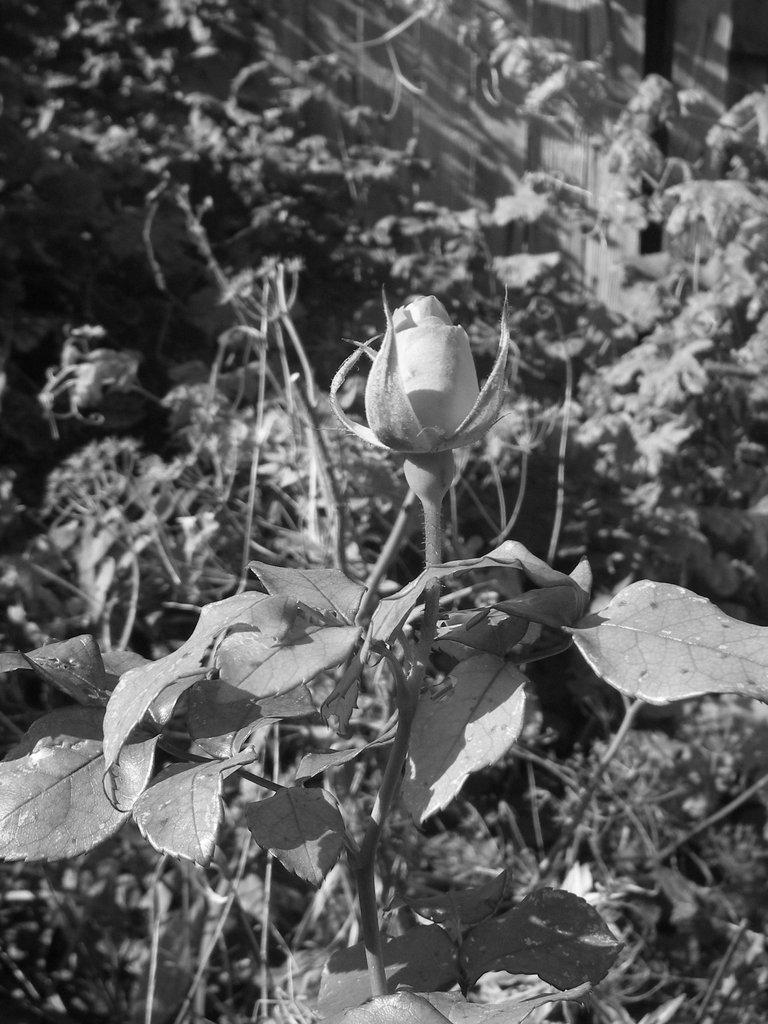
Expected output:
(408, 689)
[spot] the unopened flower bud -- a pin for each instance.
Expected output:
(422, 393)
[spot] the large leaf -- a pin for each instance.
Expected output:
(173, 674)
(463, 731)
(552, 933)
(662, 643)
(182, 810)
(264, 670)
(76, 668)
(419, 1008)
(302, 828)
(392, 611)
(424, 958)
(327, 591)
(52, 799)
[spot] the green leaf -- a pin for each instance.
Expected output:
(52, 799)
(76, 668)
(172, 675)
(424, 958)
(14, 661)
(463, 907)
(400, 1008)
(470, 633)
(524, 269)
(302, 828)
(525, 204)
(414, 1008)
(551, 606)
(221, 718)
(462, 731)
(181, 812)
(264, 670)
(389, 617)
(510, 1011)
(313, 764)
(662, 643)
(553, 934)
(327, 591)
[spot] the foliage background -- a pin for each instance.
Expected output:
(182, 255)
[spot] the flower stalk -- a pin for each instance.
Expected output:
(422, 400)
(408, 690)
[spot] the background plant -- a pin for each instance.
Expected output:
(102, 242)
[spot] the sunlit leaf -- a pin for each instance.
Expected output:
(181, 812)
(400, 1008)
(171, 675)
(326, 591)
(265, 670)
(661, 643)
(462, 731)
(76, 668)
(414, 1008)
(302, 828)
(552, 933)
(525, 204)
(523, 269)
(52, 799)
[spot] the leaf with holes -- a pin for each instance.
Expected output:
(181, 812)
(76, 668)
(423, 958)
(170, 676)
(462, 731)
(302, 828)
(52, 799)
(552, 933)
(328, 592)
(662, 643)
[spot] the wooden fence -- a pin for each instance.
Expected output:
(427, 69)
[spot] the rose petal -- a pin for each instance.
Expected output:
(438, 373)
(419, 309)
(387, 408)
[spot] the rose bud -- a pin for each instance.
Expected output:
(422, 393)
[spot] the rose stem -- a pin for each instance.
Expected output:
(408, 690)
